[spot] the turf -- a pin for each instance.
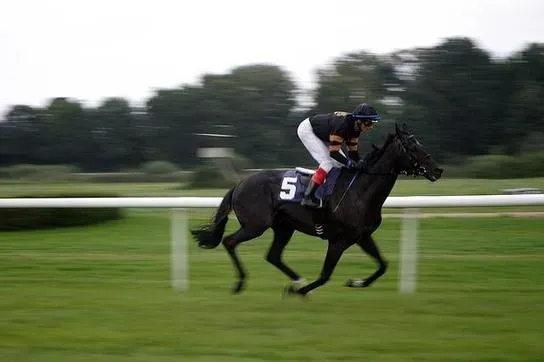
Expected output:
(102, 293)
(403, 187)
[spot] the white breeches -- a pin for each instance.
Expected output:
(316, 147)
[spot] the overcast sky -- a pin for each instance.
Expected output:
(90, 50)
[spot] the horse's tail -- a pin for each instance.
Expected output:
(209, 236)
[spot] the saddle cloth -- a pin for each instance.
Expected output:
(294, 183)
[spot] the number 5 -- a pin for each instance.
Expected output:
(288, 188)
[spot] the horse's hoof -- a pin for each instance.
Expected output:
(293, 286)
(288, 290)
(355, 283)
(238, 287)
(291, 289)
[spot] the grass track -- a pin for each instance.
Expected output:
(102, 293)
(403, 187)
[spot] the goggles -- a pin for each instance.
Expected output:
(367, 121)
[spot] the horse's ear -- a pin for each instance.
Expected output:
(397, 128)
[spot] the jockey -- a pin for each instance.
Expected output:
(324, 134)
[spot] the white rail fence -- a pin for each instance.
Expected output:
(179, 221)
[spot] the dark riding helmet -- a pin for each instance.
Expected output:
(366, 113)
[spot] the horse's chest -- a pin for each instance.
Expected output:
(365, 221)
(376, 223)
(371, 221)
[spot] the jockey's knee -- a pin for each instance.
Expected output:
(319, 176)
(326, 165)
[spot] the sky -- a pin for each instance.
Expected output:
(92, 50)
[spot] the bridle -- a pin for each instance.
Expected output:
(408, 146)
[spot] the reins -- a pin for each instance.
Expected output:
(345, 192)
(374, 174)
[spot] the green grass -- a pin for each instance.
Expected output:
(403, 187)
(102, 293)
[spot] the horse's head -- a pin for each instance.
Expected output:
(415, 160)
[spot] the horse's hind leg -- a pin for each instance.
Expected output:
(369, 246)
(230, 242)
(282, 235)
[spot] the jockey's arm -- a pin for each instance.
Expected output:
(335, 143)
(352, 144)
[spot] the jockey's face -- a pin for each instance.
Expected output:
(366, 127)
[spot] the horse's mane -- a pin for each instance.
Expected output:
(377, 152)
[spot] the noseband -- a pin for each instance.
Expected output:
(408, 148)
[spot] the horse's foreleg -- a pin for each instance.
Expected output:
(369, 246)
(334, 253)
(230, 242)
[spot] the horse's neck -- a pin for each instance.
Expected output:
(388, 162)
(381, 184)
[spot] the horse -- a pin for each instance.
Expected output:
(349, 215)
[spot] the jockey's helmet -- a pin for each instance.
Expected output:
(366, 113)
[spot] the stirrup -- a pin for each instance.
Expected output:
(310, 202)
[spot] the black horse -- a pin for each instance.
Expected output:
(350, 214)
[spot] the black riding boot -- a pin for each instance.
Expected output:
(309, 196)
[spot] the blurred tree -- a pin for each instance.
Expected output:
(256, 101)
(453, 98)
(525, 109)
(67, 132)
(118, 140)
(174, 117)
(352, 79)
(457, 98)
(20, 136)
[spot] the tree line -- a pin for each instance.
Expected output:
(458, 99)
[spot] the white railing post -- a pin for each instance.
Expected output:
(408, 251)
(179, 268)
